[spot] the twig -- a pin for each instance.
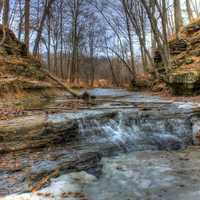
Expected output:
(45, 180)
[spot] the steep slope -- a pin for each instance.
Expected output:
(19, 73)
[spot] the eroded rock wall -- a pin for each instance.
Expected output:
(19, 72)
(184, 72)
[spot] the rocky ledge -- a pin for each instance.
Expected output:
(183, 75)
(42, 146)
(142, 123)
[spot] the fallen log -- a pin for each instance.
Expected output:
(68, 89)
(86, 96)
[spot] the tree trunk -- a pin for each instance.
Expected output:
(56, 59)
(177, 17)
(157, 33)
(49, 41)
(189, 10)
(1, 6)
(73, 71)
(6, 8)
(6, 13)
(61, 39)
(27, 23)
(59, 82)
(128, 26)
(41, 26)
(20, 20)
(164, 27)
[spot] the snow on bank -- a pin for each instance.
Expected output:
(64, 187)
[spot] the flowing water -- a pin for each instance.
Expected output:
(130, 147)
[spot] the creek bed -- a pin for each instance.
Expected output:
(131, 146)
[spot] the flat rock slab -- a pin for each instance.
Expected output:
(149, 176)
(143, 175)
(25, 170)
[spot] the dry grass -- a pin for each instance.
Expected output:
(184, 31)
(195, 21)
(172, 38)
(102, 83)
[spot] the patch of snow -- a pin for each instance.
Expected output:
(187, 105)
(64, 187)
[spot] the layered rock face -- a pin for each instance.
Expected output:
(184, 74)
(19, 72)
(44, 144)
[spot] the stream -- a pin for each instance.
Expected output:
(125, 146)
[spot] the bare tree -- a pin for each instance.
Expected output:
(1, 6)
(6, 13)
(47, 7)
(159, 35)
(27, 24)
(93, 39)
(189, 10)
(196, 7)
(61, 39)
(135, 13)
(130, 40)
(177, 17)
(6, 8)
(21, 17)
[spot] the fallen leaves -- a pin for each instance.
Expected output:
(79, 195)
(7, 113)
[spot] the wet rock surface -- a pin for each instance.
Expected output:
(147, 175)
(42, 149)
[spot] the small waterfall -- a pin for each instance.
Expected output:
(129, 133)
(118, 132)
(111, 132)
